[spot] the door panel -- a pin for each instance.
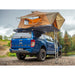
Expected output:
(50, 47)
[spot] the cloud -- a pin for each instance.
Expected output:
(72, 32)
(3, 31)
(6, 31)
(70, 20)
(69, 23)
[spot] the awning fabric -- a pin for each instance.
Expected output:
(47, 21)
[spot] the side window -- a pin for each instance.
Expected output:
(42, 37)
(49, 39)
(26, 22)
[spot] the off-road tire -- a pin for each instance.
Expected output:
(20, 56)
(41, 55)
(60, 54)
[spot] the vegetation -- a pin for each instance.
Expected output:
(5, 42)
(0, 37)
(67, 43)
(73, 43)
(11, 54)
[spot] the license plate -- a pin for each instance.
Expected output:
(20, 48)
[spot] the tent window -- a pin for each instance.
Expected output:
(33, 17)
(26, 22)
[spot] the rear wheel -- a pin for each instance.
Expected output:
(41, 55)
(20, 56)
(60, 54)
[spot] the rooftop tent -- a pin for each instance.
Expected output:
(45, 21)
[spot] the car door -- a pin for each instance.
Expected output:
(50, 45)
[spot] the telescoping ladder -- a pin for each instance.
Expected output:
(56, 46)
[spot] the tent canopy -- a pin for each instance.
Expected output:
(46, 21)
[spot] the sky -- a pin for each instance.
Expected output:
(9, 21)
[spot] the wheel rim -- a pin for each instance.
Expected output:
(43, 55)
(22, 56)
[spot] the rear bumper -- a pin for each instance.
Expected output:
(21, 51)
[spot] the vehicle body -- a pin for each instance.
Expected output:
(31, 43)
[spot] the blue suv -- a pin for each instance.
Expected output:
(32, 43)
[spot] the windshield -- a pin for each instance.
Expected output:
(22, 35)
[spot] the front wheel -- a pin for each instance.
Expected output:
(20, 56)
(41, 55)
(60, 54)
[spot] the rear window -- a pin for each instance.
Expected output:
(22, 35)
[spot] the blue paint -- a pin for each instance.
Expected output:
(25, 43)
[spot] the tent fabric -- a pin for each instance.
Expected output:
(45, 20)
(34, 14)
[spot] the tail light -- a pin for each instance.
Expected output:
(32, 43)
(11, 43)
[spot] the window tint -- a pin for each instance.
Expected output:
(26, 22)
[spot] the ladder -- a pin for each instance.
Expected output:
(56, 47)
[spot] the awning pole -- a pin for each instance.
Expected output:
(56, 47)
